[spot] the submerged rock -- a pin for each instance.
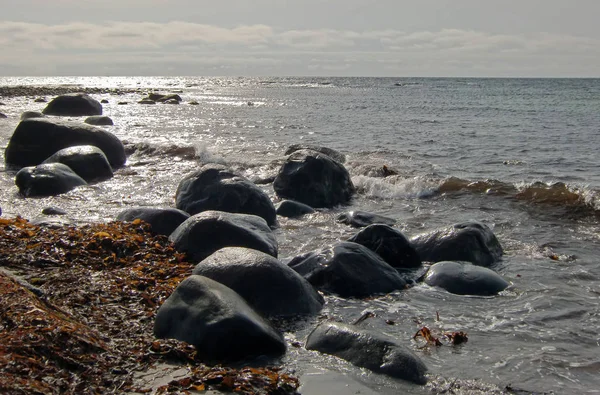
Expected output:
(367, 349)
(74, 104)
(464, 278)
(270, 287)
(333, 154)
(47, 180)
(163, 221)
(293, 209)
(31, 114)
(217, 321)
(390, 244)
(88, 161)
(99, 120)
(360, 219)
(468, 241)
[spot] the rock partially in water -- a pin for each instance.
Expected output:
(469, 241)
(3, 115)
(360, 219)
(349, 270)
(99, 120)
(88, 161)
(390, 244)
(47, 180)
(464, 278)
(217, 321)
(293, 209)
(367, 349)
(315, 179)
(53, 211)
(74, 104)
(333, 154)
(214, 187)
(202, 234)
(270, 287)
(163, 221)
(31, 114)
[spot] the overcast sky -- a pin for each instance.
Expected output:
(502, 38)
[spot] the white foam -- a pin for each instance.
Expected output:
(394, 187)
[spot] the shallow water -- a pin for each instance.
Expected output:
(516, 154)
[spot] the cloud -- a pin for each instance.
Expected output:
(127, 47)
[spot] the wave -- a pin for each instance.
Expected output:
(394, 187)
(161, 150)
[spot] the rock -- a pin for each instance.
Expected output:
(202, 234)
(315, 179)
(123, 103)
(88, 161)
(348, 270)
(217, 321)
(104, 101)
(390, 244)
(3, 115)
(170, 97)
(270, 287)
(333, 154)
(31, 114)
(75, 104)
(162, 220)
(469, 241)
(293, 209)
(171, 101)
(193, 103)
(40, 100)
(463, 278)
(367, 349)
(360, 219)
(51, 222)
(34, 140)
(144, 101)
(99, 120)
(53, 211)
(214, 187)
(47, 180)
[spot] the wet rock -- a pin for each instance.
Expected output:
(36, 139)
(315, 179)
(293, 209)
(367, 349)
(99, 120)
(468, 241)
(171, 101)
(40, 100)
(104, 101)
(146, 101)
(47, 180)
(193, 103)
(162, 220)
(51, 222)
(360, 219)
(74, 104)
(217, 321)
(53, 211)
(348, 270)
(390, 244)
(169, 98)
(214, 187)
(463, 278)
(3, 115)
(202, 234)
(88, 161)
(270, 287)
(333, 154)
(123, 103)
(31, 114)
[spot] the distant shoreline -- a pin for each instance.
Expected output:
(40, 90)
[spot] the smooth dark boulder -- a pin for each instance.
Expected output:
(88, 161)
(104, 101)
(390, 244)
(204, 233)
(217, 321)
(293, 209)
(162, 220)
(36, 139)
(53, 211)
(367, 349)
(214, 187)
(74, 105)
(360, 219)
(99, 120)
(469, 241)
(464, 278)
(349, 270)
(270, 287)
(333, 154)
(31, 114)
(47, 180)
(315, 179)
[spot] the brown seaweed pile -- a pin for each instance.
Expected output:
(90, 331)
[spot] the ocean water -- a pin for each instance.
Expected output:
(519, 155)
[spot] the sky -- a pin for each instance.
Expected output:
(396, 38)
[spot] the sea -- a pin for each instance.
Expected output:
(519, 155)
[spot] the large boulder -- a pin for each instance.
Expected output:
(367, 349)
(214, 187)
(390, 244)
(333, 154)
(464, 278)
(36, 139)
(47, 180)
(99, 120)
(348, 270)
(217, 321)
(88, 161)
(202, 234)
(360, 219)
(293, 209)
(270, 287)
(74, 105)
(313, 178)
(163, 221)
(468, 241)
